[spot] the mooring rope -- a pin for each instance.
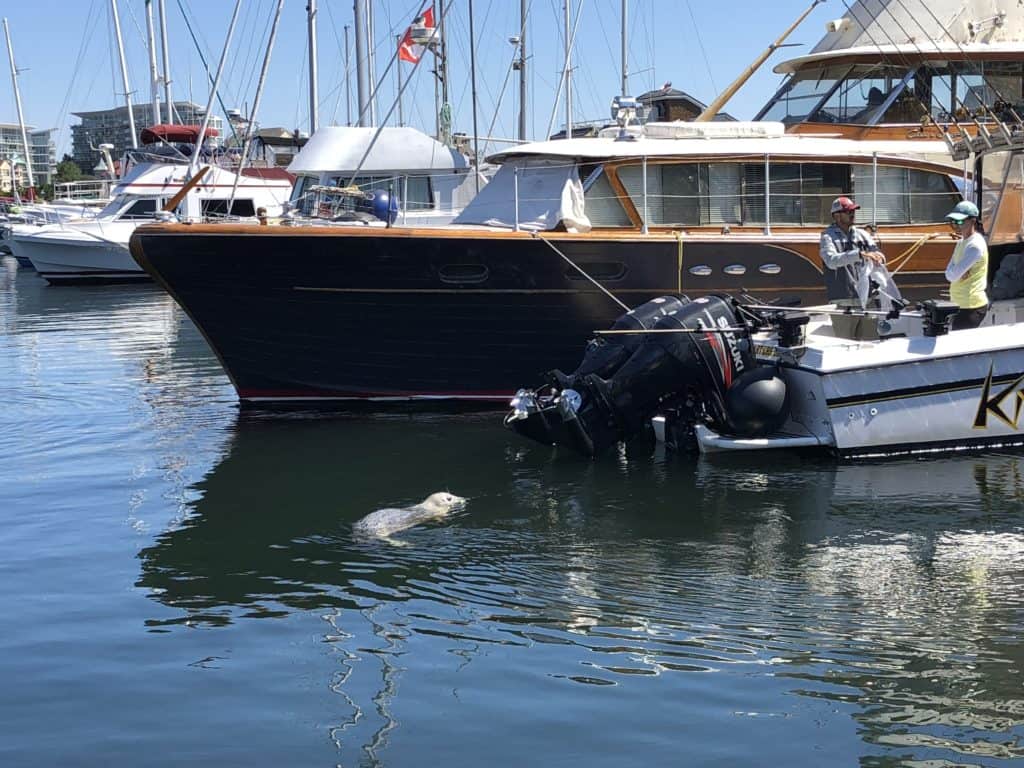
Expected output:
(579, 269)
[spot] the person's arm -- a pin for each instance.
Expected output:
(959, 270)
(833, 257)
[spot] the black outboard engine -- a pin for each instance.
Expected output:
(697, 351)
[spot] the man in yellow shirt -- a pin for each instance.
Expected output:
(967, 271)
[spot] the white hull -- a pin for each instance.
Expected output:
(920, 394)
(88, 251)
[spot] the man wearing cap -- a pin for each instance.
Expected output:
(968, 268)
(844, 250)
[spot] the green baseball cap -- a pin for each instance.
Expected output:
(964, 210)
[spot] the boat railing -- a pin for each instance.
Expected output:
(82, 191)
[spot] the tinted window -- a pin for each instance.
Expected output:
(141, 209)
(219, 207)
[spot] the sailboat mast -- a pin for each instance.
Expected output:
(625, 48)
(124, 75)
(348, 80)
(21, 117)
(167, 62)
(445, 134)
(522, 70)
(154, 73)
(568, 69)
(472, 82)
(314, 99)
(359, 12)
(371, 63)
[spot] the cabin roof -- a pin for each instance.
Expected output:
(907, 55)
(342, 149)
(768, 143)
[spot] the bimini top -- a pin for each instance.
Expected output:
(186, 134)
(337, 149)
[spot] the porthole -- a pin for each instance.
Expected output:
(700, 270)
(463, 274)
(769, 269)
(735, 270)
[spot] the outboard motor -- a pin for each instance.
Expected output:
(699, 351)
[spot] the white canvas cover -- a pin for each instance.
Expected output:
(549, 193)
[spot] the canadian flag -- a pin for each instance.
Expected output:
(408, 50)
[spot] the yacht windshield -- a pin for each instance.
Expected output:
(800, 94)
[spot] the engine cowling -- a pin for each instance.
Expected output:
(683, 352)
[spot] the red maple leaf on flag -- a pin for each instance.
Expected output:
(411, 51)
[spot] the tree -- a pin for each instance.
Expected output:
(68, 170)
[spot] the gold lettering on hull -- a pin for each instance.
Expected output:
(993, 403)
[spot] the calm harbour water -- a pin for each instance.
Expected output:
(178, 581)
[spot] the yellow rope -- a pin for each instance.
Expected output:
(899, 262)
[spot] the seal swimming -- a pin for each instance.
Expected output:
(385, 522)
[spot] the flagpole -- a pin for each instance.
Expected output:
(398, 74)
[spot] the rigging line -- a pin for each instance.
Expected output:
(371, 99)
(501, 95)
(906, 63)
(984, 79)
(982, 132)
(700, 42)
(206, 67)
(565, 73)
(82, 49)
(229, 75)
(579, 269)
(247, 82)
(405, 84)
(342, 77)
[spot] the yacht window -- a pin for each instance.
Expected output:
(144, 208)
(799, 96)
(976, 88)
(801, 193)
(905, 195)
(299, 199)
(685, 194)
(219, 207)
(720, 198)
(603, 207)
(418, 189)
(680, 191)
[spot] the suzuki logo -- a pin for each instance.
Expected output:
(993, 404)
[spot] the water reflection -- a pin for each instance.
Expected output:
(891, 592)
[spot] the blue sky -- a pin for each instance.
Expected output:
(66, 50)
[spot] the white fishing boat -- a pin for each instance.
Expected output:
(722, 375)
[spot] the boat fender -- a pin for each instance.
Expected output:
(757, 403)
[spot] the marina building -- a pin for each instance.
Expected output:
(111, 126)
(12, 156)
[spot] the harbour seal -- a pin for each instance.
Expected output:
(385, 522)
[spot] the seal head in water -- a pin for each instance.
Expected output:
(385, 522)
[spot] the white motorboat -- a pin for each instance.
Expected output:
(96, 248)
(341, 169)
(722, 375)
